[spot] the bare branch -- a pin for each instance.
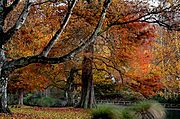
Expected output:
(163, 24)
(49, 46)
(149, 18)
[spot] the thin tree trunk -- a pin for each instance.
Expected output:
(70, 86)
(21, 97)
(69, 98)
(47, 92)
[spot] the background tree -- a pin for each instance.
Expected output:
(166, 60)
(22, 83)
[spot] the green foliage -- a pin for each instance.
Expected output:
(140, 110)
(128, 114)
(141, 106)
(46, 102)
(150, 109)
(103, 88)
(28, 99)
(112, 112)
(31, 100)
(161, 99)
(106, 112)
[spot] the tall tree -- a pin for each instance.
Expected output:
(166, 60)
(87, 91)
(87, 94)
(20, 82)
(6, 34)
(8, 66)
(115, 19)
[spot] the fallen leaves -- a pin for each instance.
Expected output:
(47, 113)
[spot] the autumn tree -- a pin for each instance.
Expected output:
(118, 17)
(133, 36)
(128, 55)
(9, 66)
(22, 83)
(30, 40)
(166, 61)
(42, 56)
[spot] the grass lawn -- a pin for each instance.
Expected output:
(47, 113)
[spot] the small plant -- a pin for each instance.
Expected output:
(106, 112)
(128, 114)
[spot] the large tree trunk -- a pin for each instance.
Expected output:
(87, 92)
(3, 85)
(3, 78)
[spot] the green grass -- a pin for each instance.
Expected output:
(149, 108)
(140, 110)
(106, 112)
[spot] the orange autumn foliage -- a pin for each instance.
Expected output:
(27, 79)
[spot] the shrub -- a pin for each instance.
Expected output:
(43, 101)
(128, 114)
(46, 102)
(28, 99)
(106, 112)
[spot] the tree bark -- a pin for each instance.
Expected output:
(69, 98)
(3, 79)
(70, 87)
(3, 85)
(87, 92)
(3, 96)
(21, 97)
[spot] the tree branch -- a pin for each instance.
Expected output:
(47, 1)
(163, 24)
(19, 22)
(148, 17)
(18, 63)
(10, 8)
(49, 46)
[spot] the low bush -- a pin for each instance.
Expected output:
(44, 101)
